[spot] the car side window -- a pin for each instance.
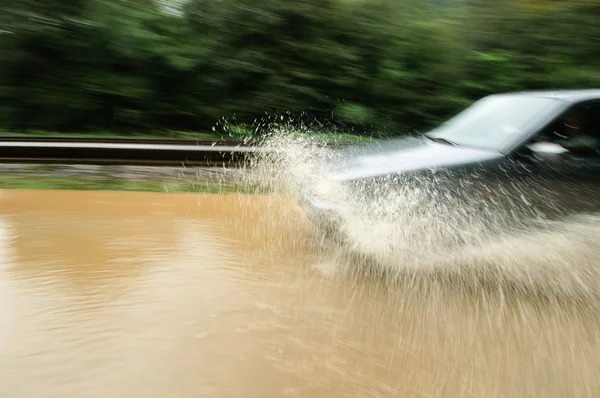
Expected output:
(578, 131)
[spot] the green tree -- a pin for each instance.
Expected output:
(390, 65)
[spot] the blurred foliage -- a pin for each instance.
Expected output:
(394, 65)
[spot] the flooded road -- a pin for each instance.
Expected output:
(173, 295)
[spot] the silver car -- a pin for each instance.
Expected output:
(512, 157)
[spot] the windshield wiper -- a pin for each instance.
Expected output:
(442, 140)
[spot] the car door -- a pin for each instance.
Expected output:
(570, 181)
(574, 181)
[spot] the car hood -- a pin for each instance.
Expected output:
(404, 155)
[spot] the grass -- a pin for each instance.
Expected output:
(340, 137)
(203, 136)
(91, 184)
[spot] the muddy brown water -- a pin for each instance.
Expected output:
(162, 295)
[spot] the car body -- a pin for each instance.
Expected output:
(486, 157)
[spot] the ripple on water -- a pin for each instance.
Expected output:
(212, 301)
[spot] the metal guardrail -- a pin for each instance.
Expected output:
(156, 152)
(126, 151)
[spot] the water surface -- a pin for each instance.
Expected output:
(174, 295)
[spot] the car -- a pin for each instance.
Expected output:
(509, 159)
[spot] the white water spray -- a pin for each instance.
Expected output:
(416, 232)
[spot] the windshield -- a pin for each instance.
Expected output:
(495, 122)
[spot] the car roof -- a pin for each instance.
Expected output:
(572, 96)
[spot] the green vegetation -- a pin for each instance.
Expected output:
(89, 184)
(377, 66)
(204, 136)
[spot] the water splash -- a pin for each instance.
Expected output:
(440, 229)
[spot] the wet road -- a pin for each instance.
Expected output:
(161, 295)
